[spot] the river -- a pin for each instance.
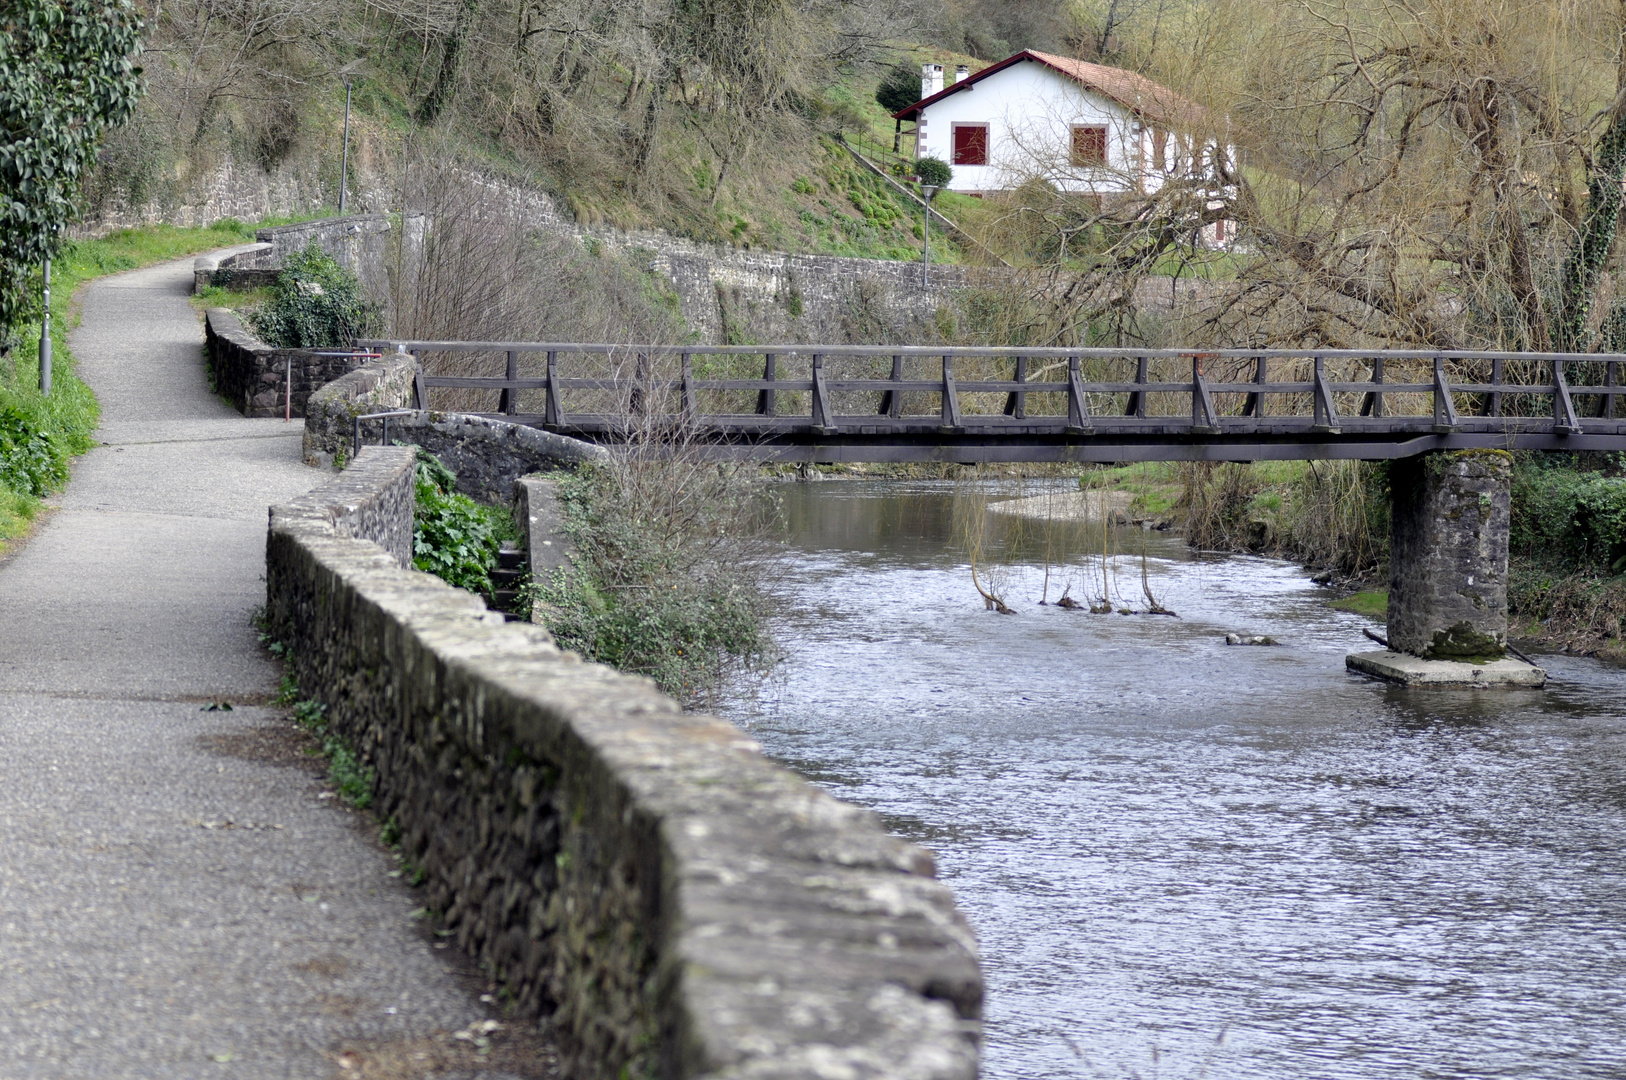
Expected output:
(1189, 859)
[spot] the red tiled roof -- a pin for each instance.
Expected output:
(1133, 91)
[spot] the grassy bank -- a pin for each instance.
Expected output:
(39, 435)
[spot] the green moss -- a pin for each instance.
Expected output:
(1463, 642)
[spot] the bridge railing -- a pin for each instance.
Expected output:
(877, 390)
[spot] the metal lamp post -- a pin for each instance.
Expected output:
(930, 191)
(344, 166)
(45, 330)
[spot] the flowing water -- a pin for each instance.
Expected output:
(1188, 859)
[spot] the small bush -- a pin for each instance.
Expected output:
(315, 304)
(669, 579)
(31, 461)
(454, 537)
(934, 171)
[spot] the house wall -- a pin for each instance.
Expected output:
(1029, 110)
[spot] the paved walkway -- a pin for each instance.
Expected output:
(173, 901)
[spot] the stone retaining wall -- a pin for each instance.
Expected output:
(667, 901)
(253, 375)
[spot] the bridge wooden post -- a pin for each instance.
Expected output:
(821, 399)
(766, 405)
(510, 396)
(1493, 400)
(1204, 419)
(1078, 406)
(552, 411)
(1445, 409)
(420, 390)
(1255, 403)
(1372, 405)
(1606, 407)
(1137, 398)
(892, 400)
(951, 398)
(1016, 402)
(687, 392)
(1324, 412)
(1564, 418)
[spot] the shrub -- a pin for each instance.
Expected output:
(668, 579)
(1568, 520)
(934, 171)
(31, 461)
(453, 537)
(315, 304)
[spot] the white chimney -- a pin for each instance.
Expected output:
(961, 73)
(931, 80)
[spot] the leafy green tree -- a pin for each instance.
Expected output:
(67, 72)
(900, 87)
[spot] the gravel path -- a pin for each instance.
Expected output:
(179, 894)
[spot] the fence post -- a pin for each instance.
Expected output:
(688, 387)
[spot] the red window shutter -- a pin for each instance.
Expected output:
(970, 144)
(1089, 145)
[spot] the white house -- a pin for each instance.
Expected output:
(1085, 128)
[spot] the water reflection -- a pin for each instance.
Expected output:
(1188, 859)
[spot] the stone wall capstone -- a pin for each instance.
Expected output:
(670, 903)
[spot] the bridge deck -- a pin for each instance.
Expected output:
(841, 403)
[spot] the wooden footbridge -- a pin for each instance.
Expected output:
(834, 403)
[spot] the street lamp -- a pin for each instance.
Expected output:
(930, 191)
(45, 330)
(349, 78)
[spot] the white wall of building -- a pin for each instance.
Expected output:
(1030, 111)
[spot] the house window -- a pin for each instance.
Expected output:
(1089, 145)
(970, 144)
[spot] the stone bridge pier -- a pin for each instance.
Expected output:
(1450, 512)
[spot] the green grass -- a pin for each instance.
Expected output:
(70, 414)
(1156, 485)
(1373, 604)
